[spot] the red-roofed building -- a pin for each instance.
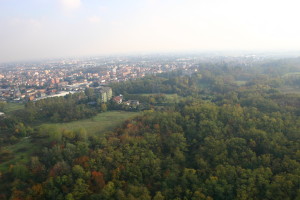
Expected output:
(118, 99)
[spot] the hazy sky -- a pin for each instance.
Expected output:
(33, 29)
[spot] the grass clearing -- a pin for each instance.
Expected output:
(240, 83)
(25, 148)
(173, 98)
(289, 90)
(10, 107)
(170, 98)
(102, 122)
(291, 74)
(19, 153)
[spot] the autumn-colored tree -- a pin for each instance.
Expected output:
(98, 181)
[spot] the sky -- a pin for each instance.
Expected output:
(40, 29)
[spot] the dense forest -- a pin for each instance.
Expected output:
(233, 134)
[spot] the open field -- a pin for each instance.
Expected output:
(240, 83)
(18, 153)
(289, 90)
(173, 98)
(100, 123)
(291, 74)
(10, 107)
(23, 150)
(170, 98)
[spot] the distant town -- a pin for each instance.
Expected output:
(32, 81)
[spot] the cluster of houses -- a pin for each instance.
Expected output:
(38, 94)
(119, 100)
(20, 94)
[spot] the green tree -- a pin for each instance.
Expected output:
(103, 107)
(80, 190)
(78, 172)
(158, 196)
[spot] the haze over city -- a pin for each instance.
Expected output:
(38, 29)
(149, 99)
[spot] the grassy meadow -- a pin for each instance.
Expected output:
(102, 122)
(10, 107)
(170, 98)
(24, 149)
(17, 153)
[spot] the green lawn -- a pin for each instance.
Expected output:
(287, 75)
(289, 90)
(24, 149)
(18, 153)
(10, 107)
(103, 122)
(173, 98)
(170, 98)
(240, 83)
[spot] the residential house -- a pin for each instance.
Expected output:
(118, 99)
